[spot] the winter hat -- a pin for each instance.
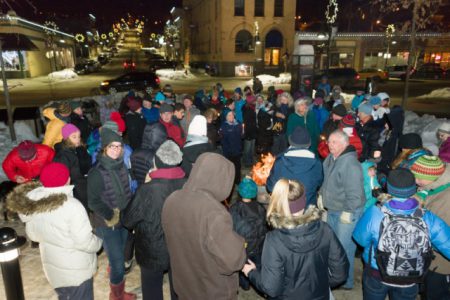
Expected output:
(445, 127)
(383, 96)
(318, 101)
(26, 150)
(375, 100)
(117, 118)
(401, 183)
(64, 108)
(107, 136)
(111, 125)
(165, 108)
(428, 167)
(54, 175)
(167, 89)
(133, 104)
(75, 104)
(279, 92)
(365, 108)
(198, 126)
(68, 129)
(298, 204)
(300, 138)
(238, 90)
(339, 110)
(410, 141)
(168, 155)
(247, 188)
(347, 121)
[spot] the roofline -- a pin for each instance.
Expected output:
(30, 23)
(315, 35)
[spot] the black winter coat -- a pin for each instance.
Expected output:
(135, 123)
(302, 258)
(249, 221)
(369, 134)
(143, 214)
(264, 135)
(83, 125)
(329, 126)
(191, 153)
(249, 116)
(142, 158)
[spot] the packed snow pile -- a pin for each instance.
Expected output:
(439, 93)
(175, 75)
(267, 80)
(62, 75)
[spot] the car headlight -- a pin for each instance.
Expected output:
(104, 83)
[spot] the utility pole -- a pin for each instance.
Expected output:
(12, 132)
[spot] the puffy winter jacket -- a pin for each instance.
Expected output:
(302, 258)
(53, 133)
(367, 230)
(353, 140)
(142, 158)
(301, 165)
(309, 123)
(231, 138)
(60, 224)
(369, 135)
(14, 166)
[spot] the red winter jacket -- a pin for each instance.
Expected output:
(174, 132)
(13, 165)
(354, 140)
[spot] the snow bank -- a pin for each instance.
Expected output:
(61, 75)
(267, 80)
(175, 75)
(439, 93)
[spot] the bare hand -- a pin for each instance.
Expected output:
(20, 179)
(280, 115)
(248, 267)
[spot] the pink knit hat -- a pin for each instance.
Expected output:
(68, 129)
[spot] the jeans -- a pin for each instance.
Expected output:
(84, 291)
(344, 232)
(114, 240)
(437, 286)
(374, 289)
(248, 157)
(280, 144)
(152, 284)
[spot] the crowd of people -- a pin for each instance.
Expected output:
(155, 181)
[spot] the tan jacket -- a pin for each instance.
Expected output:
(53, 133)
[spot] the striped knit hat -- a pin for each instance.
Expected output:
(347, 121)
(428, 167)
(401, 183)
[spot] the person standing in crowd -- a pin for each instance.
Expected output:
(264, 123)
(71, 153)
(178, 115)
(196, 144)
(379, 113)
(372, 188)
(25, 162)
(283, 108)
(444, 140)
(324, 86)
(411, 149)
(433, 179)
(368, 132)
(298, 163)
(239, 103)
(150, 110)
(250, 131)
(249, 221)
(372, 233)
(343, 193)
(393, 131)
(335, 98)
(211, 116)
(108, 194)
(60, 224)
(305, 118)
(173, 131)
(257, 85)
(57, 117)
(205, 253)
(231, 139)
(357, 100)
(143, 215)
(142, 158)
(135, 122)
(320, 112)
(302, 257)
(229, 106)
(78, 119)
(190, 111)
(338, 112)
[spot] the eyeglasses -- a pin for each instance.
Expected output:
(115, 147)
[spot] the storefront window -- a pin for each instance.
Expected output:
(15, 60)
(272, 57)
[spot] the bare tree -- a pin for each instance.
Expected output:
(421, 13)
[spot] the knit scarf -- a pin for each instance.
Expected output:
(113, 167)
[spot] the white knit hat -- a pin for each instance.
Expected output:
(383, 96)
(197, 126)
(445, 127)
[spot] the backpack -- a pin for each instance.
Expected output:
(404, 249)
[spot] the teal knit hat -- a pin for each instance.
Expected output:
(248, 188)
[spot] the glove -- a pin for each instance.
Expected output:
(115, 218)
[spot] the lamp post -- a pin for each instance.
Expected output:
(12, 131)
(10, 243)
(257, 47)
(390, 30)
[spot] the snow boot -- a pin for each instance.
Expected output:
(118, 292)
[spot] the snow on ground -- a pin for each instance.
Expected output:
(63, 74)
(268, 80)
(175, 75)
(439, 93)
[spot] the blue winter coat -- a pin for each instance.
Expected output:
(321, 114)
(151, 115)
(367, 230)
(239, 105)
(370, 200)
(356, 101)
(298, 164)
(231, 139)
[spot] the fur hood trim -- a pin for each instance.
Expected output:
(19, 202)
(280, 222)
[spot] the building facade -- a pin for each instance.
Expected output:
(238, 37)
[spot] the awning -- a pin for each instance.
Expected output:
(16, 41)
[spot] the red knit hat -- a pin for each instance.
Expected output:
(116, 118)
(26, 150)
(279, 92)
(54, 175)
(347, 121)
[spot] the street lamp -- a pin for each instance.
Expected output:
(390, 30)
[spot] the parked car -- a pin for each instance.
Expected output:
(103, 59)
(429, 71)
(377, 74)
(345, 77)
(86, 67)
(129, 65)
(134, 80)
(397, 71)
(81, 68)
(156, 64)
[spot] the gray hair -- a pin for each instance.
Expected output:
(342, 135)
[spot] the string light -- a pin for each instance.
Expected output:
(331, 11)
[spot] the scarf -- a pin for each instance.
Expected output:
(113, 167)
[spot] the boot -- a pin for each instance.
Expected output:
(118, 292)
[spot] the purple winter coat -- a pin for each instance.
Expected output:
(444, 151)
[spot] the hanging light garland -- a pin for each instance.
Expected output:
(50, 27)
(390, 30)
(331, 11)
(79, 38)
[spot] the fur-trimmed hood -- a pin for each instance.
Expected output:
(280, 222)
(31, 198)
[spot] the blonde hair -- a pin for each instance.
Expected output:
(285, 190)
(287, 96)
(211, 113)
